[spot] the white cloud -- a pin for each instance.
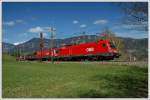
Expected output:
(132, 34)
(36, 29)
(17, 43)
(83, 25)
(45, 35)
(9, 23)
(75, 22)
(47, 29)
(12, 23)
(129, 27)
(101, 21)
(39, 29)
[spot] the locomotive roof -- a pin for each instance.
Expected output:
(78, 44)
(84, 43)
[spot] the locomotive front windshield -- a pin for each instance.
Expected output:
(112, 45)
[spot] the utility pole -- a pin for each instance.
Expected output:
(84, 36)
(52, 30)
(23, 51)
(17, 52)
(41, 44)
(130, 52)
(97, 37)
(20, 51)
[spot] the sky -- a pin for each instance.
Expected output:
(24, 21)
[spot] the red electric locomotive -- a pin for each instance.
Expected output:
(101, 50)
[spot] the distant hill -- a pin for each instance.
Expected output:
(7, 47)
(33, 44)
(138, 47)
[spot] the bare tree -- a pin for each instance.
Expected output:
(109, 35)
(136, 15)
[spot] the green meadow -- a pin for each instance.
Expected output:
(72, 80)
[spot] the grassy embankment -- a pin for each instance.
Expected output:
(35, 79)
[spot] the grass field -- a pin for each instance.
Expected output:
(72, 80)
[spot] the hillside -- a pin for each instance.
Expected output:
(7, 47)
(137, 47)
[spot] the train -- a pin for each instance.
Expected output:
(92, 51)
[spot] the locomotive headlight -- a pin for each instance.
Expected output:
(115, 51)
(110, 50)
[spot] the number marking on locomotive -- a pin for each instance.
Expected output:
(89, 49)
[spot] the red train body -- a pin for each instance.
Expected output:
(102, 49)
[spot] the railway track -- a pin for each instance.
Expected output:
(133, 63)
(140, 63)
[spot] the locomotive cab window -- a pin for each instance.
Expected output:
(112, 45)
(35, 53)
(103, 45)
(57, 51)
